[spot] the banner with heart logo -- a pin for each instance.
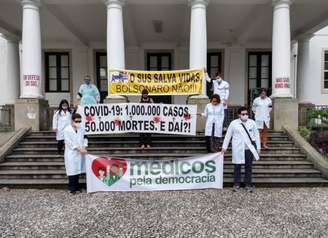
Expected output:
(118, 174)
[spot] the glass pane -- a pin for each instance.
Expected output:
(265, 60)
(326, 84)
(153, 62)
(65, 85)
(252, 60)
(52, 85)
(153, 68)
(103, 61)
(265, 83)
(252, 73)
(103, 85)
(165, 62)
(326, 75)
(53, 73)
(326, 65)
(64, 73)
(326, 55)
(52, 60)
(64, 60)
(103, 73)
(252, 83)
(264, 72)
(214, 61)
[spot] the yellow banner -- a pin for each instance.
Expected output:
(132, 82)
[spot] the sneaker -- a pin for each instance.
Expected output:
(142, 146)
(249, 189)
(148, 146)
(235, 187)
(72, 192)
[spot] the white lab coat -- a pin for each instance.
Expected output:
(59, 122)
(214, 115)
(74, 161)
(220, 88)
(240, 138)
(262, 108)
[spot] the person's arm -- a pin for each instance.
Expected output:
(227, 91)
(227, 138)
(257, 137)
(96, 93)
(254, 105)
(205, 113)
(270, 104)
(207, 77)
(55, 122)
(71, 143)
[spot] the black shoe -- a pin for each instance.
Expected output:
(249, 189)
(72, 192)
(235, 187)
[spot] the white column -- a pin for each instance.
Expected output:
(31, 86)
(198, 37)
(281, 49)
(115, 35)
(9, 76)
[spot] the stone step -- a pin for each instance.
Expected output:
(257, 173)
(134, 150)
(29, 144)
(56, 158)
(227, 164)
(258, 182)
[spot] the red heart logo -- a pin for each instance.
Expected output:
(109, 170)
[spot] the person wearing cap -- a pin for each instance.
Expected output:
(88, 92)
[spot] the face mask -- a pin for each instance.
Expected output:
(244, 117)
(219, 79)
(65, 108)
(144, 95)
(87, 82)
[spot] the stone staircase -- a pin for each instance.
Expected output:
(35, 162)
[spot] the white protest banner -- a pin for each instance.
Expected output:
(139, 118)
(117, 174)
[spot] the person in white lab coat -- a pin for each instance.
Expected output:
(221, 88)
(61, 119)
(246, 146)
(262, 106)
(75, 152)
(214, 113)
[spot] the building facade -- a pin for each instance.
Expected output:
(50, 45)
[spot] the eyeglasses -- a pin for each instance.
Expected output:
(244, 114)
(78, 121)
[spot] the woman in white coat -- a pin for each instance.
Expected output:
(246, 146)
(262, 106)
(75, 152)
(61, 119)
(214, 113)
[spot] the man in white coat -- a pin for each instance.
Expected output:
(262, 106)
(75, 152)
(246, 146)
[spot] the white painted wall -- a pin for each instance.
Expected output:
(310, 68)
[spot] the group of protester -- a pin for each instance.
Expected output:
(248, 136)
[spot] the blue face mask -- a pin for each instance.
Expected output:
(87, 82)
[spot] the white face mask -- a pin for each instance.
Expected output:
(244, 117)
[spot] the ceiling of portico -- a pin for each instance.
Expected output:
(229, 21)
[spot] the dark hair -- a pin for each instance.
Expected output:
(60, 107)
(263, 90)
(218, 74)
(217, 97)
(145, 91)
(76, 116)
(242, 109)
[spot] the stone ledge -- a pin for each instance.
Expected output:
(312, 154)
(8, 147)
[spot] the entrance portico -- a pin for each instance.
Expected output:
(189, 31)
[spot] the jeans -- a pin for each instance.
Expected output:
(248, 170)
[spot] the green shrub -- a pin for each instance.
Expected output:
(304, 132)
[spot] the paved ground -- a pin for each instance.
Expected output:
(291, 212)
